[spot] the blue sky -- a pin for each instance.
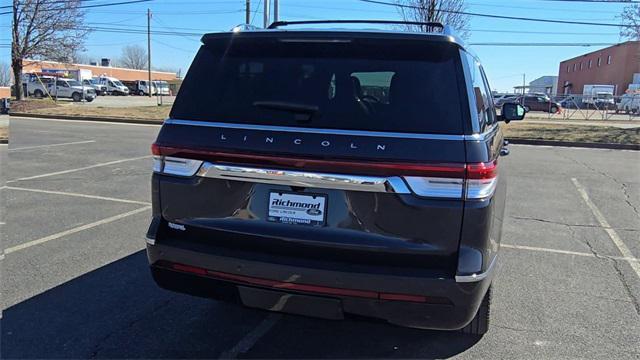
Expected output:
(504, 65)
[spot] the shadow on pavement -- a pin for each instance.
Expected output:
(117, 311)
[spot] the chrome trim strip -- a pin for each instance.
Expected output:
(315, 130)
(477, 276)
(392, 184)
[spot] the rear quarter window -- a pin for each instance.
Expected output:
(375, 85)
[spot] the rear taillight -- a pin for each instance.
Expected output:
(173, 165)
(444, 181)
(477, 181)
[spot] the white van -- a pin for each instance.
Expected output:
(629, 104)
(114, 86)
(161, 87)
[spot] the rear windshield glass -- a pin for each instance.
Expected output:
(377, 85)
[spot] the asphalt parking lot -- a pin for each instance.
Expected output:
(75, 282)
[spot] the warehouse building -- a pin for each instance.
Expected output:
(36, 66)
(614, 65)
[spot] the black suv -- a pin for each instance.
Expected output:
(328, 173)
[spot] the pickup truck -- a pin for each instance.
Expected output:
(72, 89)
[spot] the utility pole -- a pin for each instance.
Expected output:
(247, 16)
(523, 85)
(267, 5)
(276, 10)
(149, 49)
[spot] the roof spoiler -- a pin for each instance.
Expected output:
(431, 26)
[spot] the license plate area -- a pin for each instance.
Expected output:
(297, 208)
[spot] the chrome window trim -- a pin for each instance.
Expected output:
(471, 96)
(214, 124)
(477, 276)
(391, 184)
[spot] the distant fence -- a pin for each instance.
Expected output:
(578, 107)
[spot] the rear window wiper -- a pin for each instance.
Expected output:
(288, 106)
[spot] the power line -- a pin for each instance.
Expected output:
(541, 44)
(598, 1)
(499, 16)
(86, 6)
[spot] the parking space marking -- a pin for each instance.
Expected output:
(246, 343)
(97, 197)
(566, 252)
(74, 230)
(624, 250)
(93, 122)
(79, 169)
(51, 145)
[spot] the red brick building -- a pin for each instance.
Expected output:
(119, 73)
(614, 65)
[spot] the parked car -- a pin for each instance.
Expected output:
(72, 89)
(113, 85)
(498, 102)
(538, 103)
(161, 87)
(140, 87)
(285, 187)
(629, 104)
(92, 83)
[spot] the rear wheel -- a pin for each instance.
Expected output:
(141, 93)
(553, 110)
(38, 93)
(480, 323)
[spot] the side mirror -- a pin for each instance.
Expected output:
(511, 111)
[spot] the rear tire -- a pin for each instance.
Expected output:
(141, 93)
(38, 93)
(553, 110)
(480, 323)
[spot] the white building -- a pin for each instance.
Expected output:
(545, 84)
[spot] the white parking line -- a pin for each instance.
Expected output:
(73, 230)
(90, 122)
(80, 195)
(51, 145)
(246, 343)
(79, 169)
(566, 252)
(624, 250)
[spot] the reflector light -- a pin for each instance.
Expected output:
(249, 280)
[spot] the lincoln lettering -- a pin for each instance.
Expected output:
(325, 143)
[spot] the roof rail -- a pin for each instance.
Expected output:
(431, 26)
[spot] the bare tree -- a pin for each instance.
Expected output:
(631, 21)
(447, 12)
(5, 74)
(44, 29)
(133, 57)
(79, 57)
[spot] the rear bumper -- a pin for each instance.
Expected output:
(324, 293)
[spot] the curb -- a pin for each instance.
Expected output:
(512, 141)
(575, 144)
(89, 118)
